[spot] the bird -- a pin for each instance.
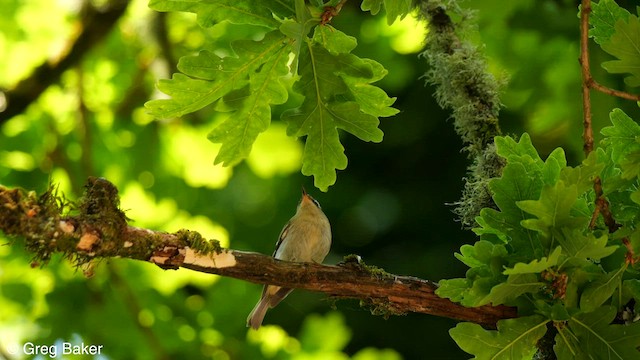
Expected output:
(305, 238)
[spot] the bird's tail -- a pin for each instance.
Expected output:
(256, 316)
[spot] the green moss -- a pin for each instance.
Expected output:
(100, 205)
(381, 307)
(197, 242)
(355, 262)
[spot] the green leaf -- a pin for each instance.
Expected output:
(625, 45)
(371, 5)
(591, 336)
(623, 139)
(210, 77)
(481, 253)
(553, 165)
(514, 339)
(601, 290)
(372, 99)
(327, 106)
(211, 12)
(516, 285)
(552, 210)
(604, 15)
(517, 183)
(514, 151)
(453, 289)
(240, 130)
(334, 40)
(486, 261)
(396, 8)
(582, 176)
(536, 266)
(578, 245)
(631, 290)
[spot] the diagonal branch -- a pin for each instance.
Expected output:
(96, 23)
(99, 229)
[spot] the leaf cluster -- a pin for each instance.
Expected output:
(538, 251)
(546, 250)
(299, 53)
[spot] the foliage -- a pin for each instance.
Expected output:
(539, 252)
(335, 85)
(541, 249)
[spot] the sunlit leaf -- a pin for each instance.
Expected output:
(210, 77)
(327, 106)
(235, 11)
(238, 132)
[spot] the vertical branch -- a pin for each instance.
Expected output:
(463, 83)
(587, 133)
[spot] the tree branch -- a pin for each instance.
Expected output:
(587, 133)
(99, 229)
(96, 23)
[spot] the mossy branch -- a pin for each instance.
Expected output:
(464, 85)
(97, 228)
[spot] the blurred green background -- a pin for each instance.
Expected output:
(392, 205)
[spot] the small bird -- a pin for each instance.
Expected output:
(305, 238)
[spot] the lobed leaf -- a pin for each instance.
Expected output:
(211, 12)
(623, 139)
(553, 209)
(518, 182)
(625, 45)
(536, 266)
(582, 246)
(210, 77)
(327, 106)
(582, 176)
(601, 290)
(516, 285)
(514, 339)
(591, 336)
(604, 15)
(394, 8)
(486, 261)
(239, 131)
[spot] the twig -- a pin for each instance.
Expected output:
(602, 207)
(587, 134)
(330, 12)
(613, 92)
(100, 230)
